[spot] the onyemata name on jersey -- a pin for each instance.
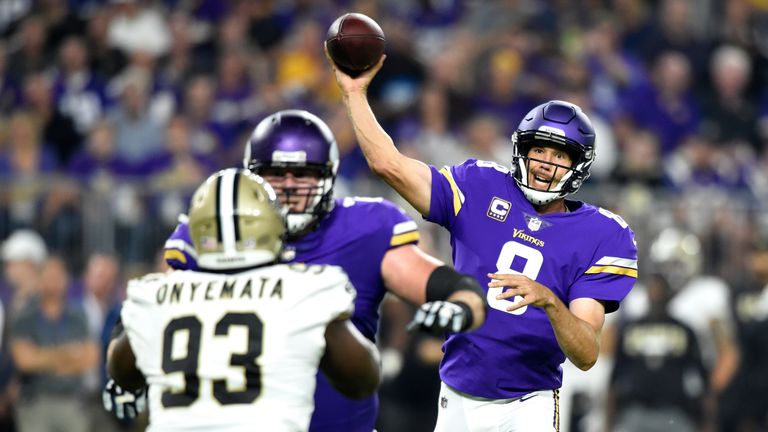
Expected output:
(234, 352)
(355, 235)
(586, 252)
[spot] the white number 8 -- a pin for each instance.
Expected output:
(533, 262)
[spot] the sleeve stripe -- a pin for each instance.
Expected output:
(458, 197)
(404, 227)
(612, 269)
(174, 254)
(181, 246)
(409, 237)
(616, 261)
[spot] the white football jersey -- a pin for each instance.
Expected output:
(233, 352)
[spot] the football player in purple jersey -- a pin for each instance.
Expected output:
(372, 239)
(553, 267)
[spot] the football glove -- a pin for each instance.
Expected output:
(438, 317)
(123, 404)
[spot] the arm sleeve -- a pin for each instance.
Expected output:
(402, 230)
(179, 252)
(447, 197)
(612, 272)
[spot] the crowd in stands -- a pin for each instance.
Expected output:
(113, 111)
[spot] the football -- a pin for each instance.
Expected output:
(355, 43)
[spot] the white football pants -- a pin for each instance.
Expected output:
(535, 412)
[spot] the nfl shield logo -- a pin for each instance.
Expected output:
(534, 224)
(443, 402)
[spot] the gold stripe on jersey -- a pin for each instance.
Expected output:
(174, 254)
(457, 195)
(612, 269)
(401, 239)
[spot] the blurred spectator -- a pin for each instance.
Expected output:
(433, 138)
(658, 380)
(10, 94)
(175, 173)
(97, 161)
(24, 164)
(233, 109)
(30, 55)
(743, 407)
(500, 90)
(78, 91)
(23, 254)
(106, 60)
(613, 71)
(677, 27)
(730, 114)
(268, 23)
(197, 108)
(101, 301)
(138, 136)
(137, 26)
(181, 63)
(60, 219)
(60, 133)
(666, 107)
(395, 90)
(640, 161)
(12, 13)
(60, 20)
(300, 66)
(52, 350)
(699, 163)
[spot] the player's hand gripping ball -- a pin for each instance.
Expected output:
(355, 43)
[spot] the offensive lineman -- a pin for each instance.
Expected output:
(236, 346)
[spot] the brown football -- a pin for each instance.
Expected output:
(355, 43)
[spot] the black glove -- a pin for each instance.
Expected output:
(438, 317)
(123, 404)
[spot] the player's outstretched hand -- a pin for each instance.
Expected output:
(438, 317)
(123, 404)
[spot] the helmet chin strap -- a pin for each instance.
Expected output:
(538, 197)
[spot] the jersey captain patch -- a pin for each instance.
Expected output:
(499, 209)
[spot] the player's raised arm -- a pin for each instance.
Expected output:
(351, 362)
(411, 178)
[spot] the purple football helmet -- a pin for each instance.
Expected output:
(555, 123)
(296, 140)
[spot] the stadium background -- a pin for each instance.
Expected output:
(112, 112)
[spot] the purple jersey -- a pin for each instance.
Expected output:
(355, 236)
(586, 252)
